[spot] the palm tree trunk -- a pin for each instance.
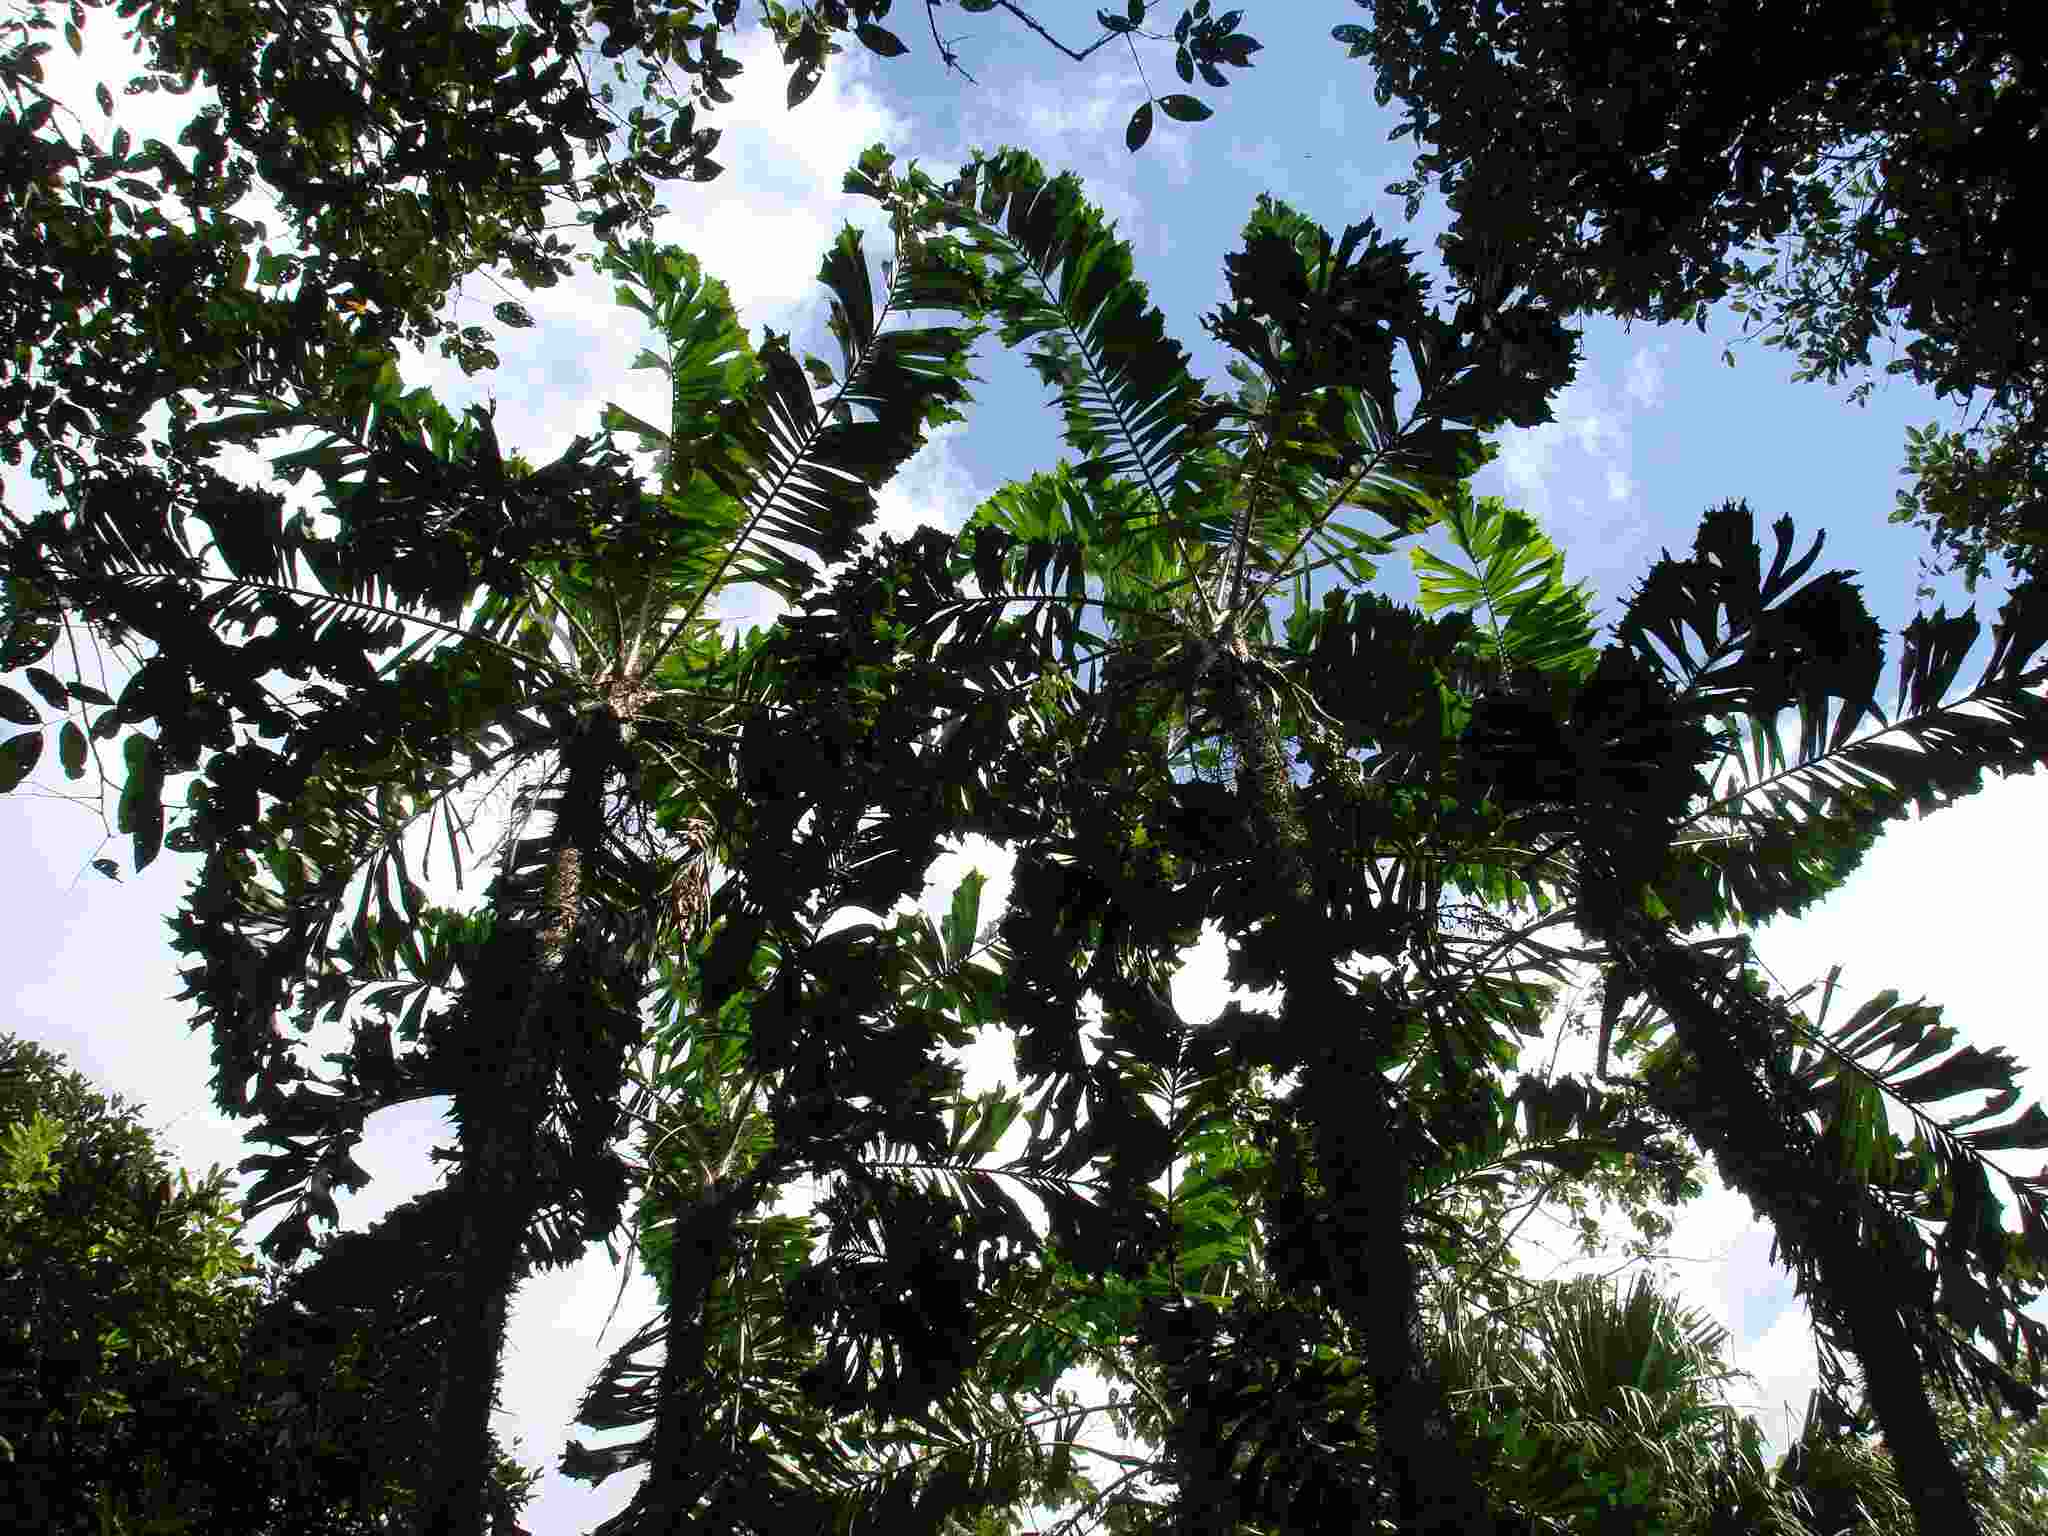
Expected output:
(1770, 1158)
(1362, 1144)
(529, 966)
(678, 1474)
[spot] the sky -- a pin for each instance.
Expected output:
(1656, 428)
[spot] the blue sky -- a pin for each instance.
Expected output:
(1656, 429)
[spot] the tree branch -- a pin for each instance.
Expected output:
(1026, 18)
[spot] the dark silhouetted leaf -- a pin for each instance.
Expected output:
(1140, 129)
(71, 750)
(47, 685)
(880, 40)
(18, 758)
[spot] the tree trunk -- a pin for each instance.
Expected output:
(678, 1474)
(1362, 1142)
(1773, 1158)
(528, 964)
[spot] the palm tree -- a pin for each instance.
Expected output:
(558, 631)
(1598, 1411)
(1190, 512)
(1844, 1194)
(1549, 771)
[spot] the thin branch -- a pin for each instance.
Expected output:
(1026, 18)
(946, 55)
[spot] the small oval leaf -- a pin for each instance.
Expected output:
(16, 709)
(18, 758)
(1184, 109)
(880, 40)
(1140, 129)
(47, 685)
(71, 750)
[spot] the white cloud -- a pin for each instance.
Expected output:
(1572, 474)
(1074, 120)
(933, 489)
(764, 224)
(1533, 459)
(1645, 378)
(1784, 1368)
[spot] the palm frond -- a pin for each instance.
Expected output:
(1514, 585)
(1745, 645)
(1047, 264)
(1902, 1052)
(1973, 1277)
(798, 479)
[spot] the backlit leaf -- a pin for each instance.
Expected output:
(18, 758)
(71, 746)
(963, 918)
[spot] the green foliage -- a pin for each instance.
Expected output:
(1069, 677)
(140, 1398)
(1516, 579)
(1598, 1411)
(1626, 163)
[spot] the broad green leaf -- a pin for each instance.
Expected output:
(1514, 587)
(963, 918)
(880, 40)
(141, 809)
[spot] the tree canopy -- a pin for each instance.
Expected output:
(1641, 162)
(1278, 1232)
(149, 1385)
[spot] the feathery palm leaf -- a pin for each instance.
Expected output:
(1532, 619)
(1886, 1050)
(1746, 644)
